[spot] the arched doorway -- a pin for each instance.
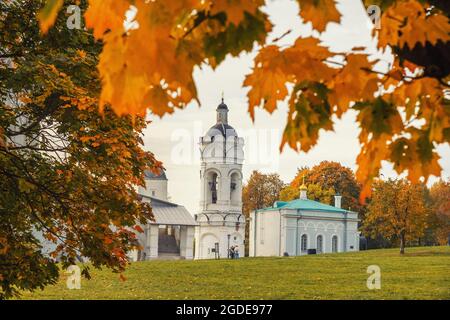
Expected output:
(208, 246)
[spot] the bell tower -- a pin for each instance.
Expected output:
(221, 224)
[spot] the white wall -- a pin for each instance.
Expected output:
(265, 234)
(152, 241)
(207, 235)
(155, 188)
(187, 241)
(266, 242)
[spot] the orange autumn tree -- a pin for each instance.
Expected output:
(397, 211)
(68, 174)
(440, 207)
(148, 65)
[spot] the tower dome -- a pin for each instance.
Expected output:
(222, 127)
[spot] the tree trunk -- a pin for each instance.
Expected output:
(402, 242)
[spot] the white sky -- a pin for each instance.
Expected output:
(173, 139)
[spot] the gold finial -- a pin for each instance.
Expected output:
(303, 186)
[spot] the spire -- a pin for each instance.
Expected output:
(303, 190)
(222, 112)
(303, 186)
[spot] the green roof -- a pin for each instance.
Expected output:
(303, 204)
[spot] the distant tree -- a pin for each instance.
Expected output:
(260, 191)
(397, 211)
(440, 210)
(315, 192)
(329, 176)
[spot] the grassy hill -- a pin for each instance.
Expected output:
(422, 273)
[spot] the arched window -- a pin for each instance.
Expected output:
(213, 188)
(319, 244)
(334, 244)
(235, 189)
(304, 242)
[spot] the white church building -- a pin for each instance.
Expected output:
(221, 223)
(171, 233)
(302, 226)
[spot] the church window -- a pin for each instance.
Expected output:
(334, 244)
(235, 189)
(319, 244)
(304, 242)
(213, 185)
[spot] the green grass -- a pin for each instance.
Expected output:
(422, 273)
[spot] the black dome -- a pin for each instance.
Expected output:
(222, 106)
(223, 129)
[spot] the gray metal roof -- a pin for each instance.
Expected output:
(169, 213)
(173, 215)
(155, 176)
(221, 128)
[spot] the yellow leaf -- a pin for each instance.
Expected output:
(305, 61)
(47, 15)
(104, 15)
(144, 68)
(354, 82)
(419, 90)
(309, 113)
(372, 152)
(267, 81)
(319, 13)
(416, 155)
(408, 23)
(235, 9)
(81, 53)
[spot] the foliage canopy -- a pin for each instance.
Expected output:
(137, 70)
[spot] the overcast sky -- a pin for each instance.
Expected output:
(174, 138)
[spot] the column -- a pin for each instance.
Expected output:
(152, 241)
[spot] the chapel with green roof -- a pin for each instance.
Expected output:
(303, 226)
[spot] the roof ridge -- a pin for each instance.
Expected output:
(312, 205)
(160, 200)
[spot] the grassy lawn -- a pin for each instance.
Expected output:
(422, 273)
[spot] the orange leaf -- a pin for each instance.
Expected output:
(234, 9)
(319, 13)
(47, 15)
(267, 82)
